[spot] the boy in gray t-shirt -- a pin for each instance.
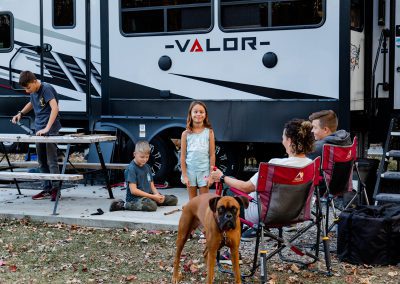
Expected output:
(44, 103)
(141, 194)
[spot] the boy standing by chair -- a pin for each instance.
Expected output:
(44, 102)
(141, 194)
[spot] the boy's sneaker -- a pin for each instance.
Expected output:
(54, 194)
(42, 195)
(225, 258)
(117, 205)
(249, 235)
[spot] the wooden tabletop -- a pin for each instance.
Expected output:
(61, 139)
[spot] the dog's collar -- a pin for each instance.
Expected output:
(224, 241)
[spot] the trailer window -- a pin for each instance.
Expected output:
(64, 14)
(158, 17)
(262, 14)
(357, 15)
(5, 32)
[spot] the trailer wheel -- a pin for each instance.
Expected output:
(162, 159)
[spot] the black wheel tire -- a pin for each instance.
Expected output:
(162, 159)
(228, 159)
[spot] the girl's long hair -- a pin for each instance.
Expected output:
(189, 120)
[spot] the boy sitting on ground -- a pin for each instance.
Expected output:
(141, 194)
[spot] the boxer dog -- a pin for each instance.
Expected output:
(220, 219)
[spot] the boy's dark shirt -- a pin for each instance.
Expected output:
(42, 109)
(141, 176)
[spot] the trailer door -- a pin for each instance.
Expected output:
(53, 39)
(65, 29)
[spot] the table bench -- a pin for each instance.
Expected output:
(38, 176)
(70, 165)
(66, 139)
(78, 165)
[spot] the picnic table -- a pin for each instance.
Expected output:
(59, 139)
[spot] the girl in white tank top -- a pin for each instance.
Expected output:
(198, 150)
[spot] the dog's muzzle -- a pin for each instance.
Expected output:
(227, 221)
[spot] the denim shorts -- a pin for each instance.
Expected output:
(198, 179)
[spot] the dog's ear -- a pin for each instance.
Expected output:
(213, 203)
(243, 201)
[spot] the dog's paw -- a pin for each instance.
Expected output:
(176, 278)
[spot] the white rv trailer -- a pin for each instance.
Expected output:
(255, 63)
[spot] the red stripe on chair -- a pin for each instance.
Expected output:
(241, 193)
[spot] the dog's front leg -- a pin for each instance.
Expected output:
(211, 259)
(235, 263)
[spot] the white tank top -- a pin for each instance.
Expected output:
(198, 151)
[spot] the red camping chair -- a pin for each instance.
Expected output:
(337, 170)
(284, 197)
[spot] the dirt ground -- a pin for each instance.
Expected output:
(57, 253)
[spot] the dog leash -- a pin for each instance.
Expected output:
(218, 185)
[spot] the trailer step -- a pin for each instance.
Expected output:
(393, 154)
(391, 175)
(388, 197)
(388, 181)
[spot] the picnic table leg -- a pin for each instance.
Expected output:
(104, 169)
(66, 159)
(11, 169)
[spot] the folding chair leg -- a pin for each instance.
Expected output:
(351, 201)
(327, 254)
(365, 196)
(263, 267)
(325, 241)
(326, 224)
(329, 203)
(263, 260)
(323, 226)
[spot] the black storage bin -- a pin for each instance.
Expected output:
(370, 235)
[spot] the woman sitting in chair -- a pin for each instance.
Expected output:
(298, 141)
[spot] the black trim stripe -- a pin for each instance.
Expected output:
(52, 81)
(344, 65)
(271, 93)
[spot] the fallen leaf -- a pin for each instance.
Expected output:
(364, 281)
(131, 278)
(74, 227)
(194, 268)
(295, 268)
(12, 268)
(273, 279)
(354, 270)
(349, 279)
